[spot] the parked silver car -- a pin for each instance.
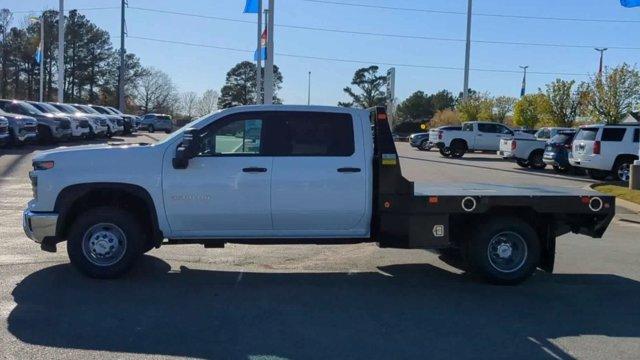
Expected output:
(153, 122)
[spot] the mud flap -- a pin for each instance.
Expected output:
(548, 253)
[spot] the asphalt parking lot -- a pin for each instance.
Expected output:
(320, 302)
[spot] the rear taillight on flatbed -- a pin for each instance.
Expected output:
(596, 148)
(514, 144)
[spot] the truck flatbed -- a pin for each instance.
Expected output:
(481, 189)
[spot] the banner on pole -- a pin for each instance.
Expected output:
(630, 3)
(252, 7)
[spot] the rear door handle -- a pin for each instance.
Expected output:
(254, 169)
(349, 170)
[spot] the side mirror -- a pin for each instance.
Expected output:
(187, 150)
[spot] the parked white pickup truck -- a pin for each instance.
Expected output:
(287, 174)
(528, 152)
(474, 136)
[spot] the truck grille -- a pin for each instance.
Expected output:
(103, 122)
(28, 129)
(3, 129)
(64, 124)
(119, 122)
(83, 123)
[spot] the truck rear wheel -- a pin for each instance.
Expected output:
(445, 151)
(522, 163)
(536, 160)
(105, 242)
(505, 251)
(458, 149)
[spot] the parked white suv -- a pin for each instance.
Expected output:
(474, 136)
(605, 150)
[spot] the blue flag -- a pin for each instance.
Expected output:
(630, 3)
(262, 54)
(38, 55)
(252, 7)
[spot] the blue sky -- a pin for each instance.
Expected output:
(198, 69)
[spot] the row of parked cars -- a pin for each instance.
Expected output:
(600, 150)
(24, 122)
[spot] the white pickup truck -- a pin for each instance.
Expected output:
(287, 174)
(474, 136)
(528, 152)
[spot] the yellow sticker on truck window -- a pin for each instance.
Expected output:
(389, 159)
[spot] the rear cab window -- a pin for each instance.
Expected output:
(299, 133)
(467, 127)
(487, 128)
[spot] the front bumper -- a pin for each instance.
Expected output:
(39, 226)
(62, 134)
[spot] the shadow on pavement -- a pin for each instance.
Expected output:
(404, 311)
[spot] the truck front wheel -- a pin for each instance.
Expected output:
(505, 251)
(445, 151)
(105, 242)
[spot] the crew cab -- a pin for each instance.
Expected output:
(474, 136)
(51, 128)
(604, 150)
(21, 129)
(528, 152)
(286, 174)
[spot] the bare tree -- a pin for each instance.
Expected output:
(208, 103)
(156, 92)
(188, 103)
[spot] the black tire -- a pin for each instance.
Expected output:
(522, 163)
(105, 220)
(458, 149)
(445, 151)
(578, 171)
(424, 145)
(150, 129)
(560, 169)
(504, 250)
(599, 175)
(45, 137)
(536, 160)
(622, 169)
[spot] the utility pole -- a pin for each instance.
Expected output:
(259, 56)
(121, 104)
(61, 52)
(309, 90)
(524, 80)
(465, 91)
(41, 57)
(268, 77)
(601, 50)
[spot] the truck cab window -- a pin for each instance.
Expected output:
(313, 134)
(467, 127)
(240, 137)
(488, 128)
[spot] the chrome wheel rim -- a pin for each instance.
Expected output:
(104, 244)
(507, 252)
(623, 172)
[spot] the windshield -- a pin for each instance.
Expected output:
(101, 110)
(44, 107)
(195, 123)
(114, 110)
(28, 108)
(86, 109)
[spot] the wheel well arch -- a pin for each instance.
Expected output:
(624, 157)
(75, 199)
(456, 141)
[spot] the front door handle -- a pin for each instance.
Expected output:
(254, 169)
(349, 170)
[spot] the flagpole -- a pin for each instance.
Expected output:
(41, 56)
(259, 57)
(467, 54)
(61, 52)
(268, 79)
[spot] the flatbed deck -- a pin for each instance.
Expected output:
(481, 189)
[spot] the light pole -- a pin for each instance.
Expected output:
(467, 55)
(309, 90)
(259, 56)
(121, 72)
(61, 52)
(524, 80)
(601, 50)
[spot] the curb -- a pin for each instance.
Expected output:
(620, 202)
